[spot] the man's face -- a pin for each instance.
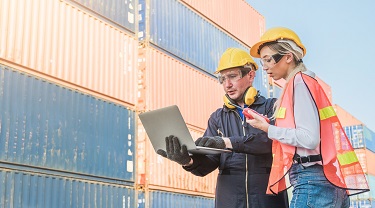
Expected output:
(235, 84)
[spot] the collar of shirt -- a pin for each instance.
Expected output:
(239, 110)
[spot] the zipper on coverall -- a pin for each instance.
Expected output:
(247, 172)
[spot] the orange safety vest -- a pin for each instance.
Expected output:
(340, 163)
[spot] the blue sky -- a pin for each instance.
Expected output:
(339, 37)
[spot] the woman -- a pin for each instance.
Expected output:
(308, 140)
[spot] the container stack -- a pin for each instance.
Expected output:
(180, 46)
(363, 141)
(75, 74)
(68, 96)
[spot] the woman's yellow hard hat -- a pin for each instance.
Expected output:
(274, 34)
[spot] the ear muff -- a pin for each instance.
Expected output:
(248, 97)
(228, 101)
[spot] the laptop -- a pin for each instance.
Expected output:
(163, 122)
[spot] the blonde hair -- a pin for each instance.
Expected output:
(284, 48)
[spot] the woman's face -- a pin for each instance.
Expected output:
(276, 70)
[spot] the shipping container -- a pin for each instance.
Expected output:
(369, 137)
(370, 195)
(355, 135)
(367, 159)
(47, 126)
(59, 41)
(346, 119)
(361, 137)
(362, 204)
(169, 81)
(184, 33)
(232, 16)
(172, 82)
(119, 11)
(163, 199)
(276, 87)
(159, 173)
(25, 189)
(261, 83)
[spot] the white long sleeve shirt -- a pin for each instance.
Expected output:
(306, 135)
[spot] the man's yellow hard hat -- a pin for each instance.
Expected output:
(274, 34)
(235, 57)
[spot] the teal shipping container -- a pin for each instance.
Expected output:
(47, 128)
(165, 199)
(25, 189)
(121, 12)
(361, 137)
(362, 204)
(182, 32)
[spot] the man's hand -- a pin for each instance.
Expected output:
(213, 142)
(175, 151)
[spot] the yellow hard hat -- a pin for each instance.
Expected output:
(274, 34)
(234, 57)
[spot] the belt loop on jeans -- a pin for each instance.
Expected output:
(305, 159)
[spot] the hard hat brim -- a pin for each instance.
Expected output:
(254, 50)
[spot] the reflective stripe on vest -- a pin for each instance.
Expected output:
(326, 112)
(347, 158)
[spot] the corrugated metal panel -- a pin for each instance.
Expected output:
(161, 199)
(277, 87)
(355, 135)
(369, 137)
(367, 160)
(46, 125)
(21, 189)
(182, 32)
(141, 198)
(362, 204)
(169, 82)
(370, 194)
(120, 11)
(261, 83)
(152, 170)
(361, 137)
(361, 155)
(346, 119)
(236, 17)
(275, 90)
(56, 39)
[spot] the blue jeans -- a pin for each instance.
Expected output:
(312, 189)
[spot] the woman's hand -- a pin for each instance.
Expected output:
(257, 121)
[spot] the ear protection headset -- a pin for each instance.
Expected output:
(248, 97)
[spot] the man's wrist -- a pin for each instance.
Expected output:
(189, 164)
(228, 143)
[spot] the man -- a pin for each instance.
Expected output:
(244, 172)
